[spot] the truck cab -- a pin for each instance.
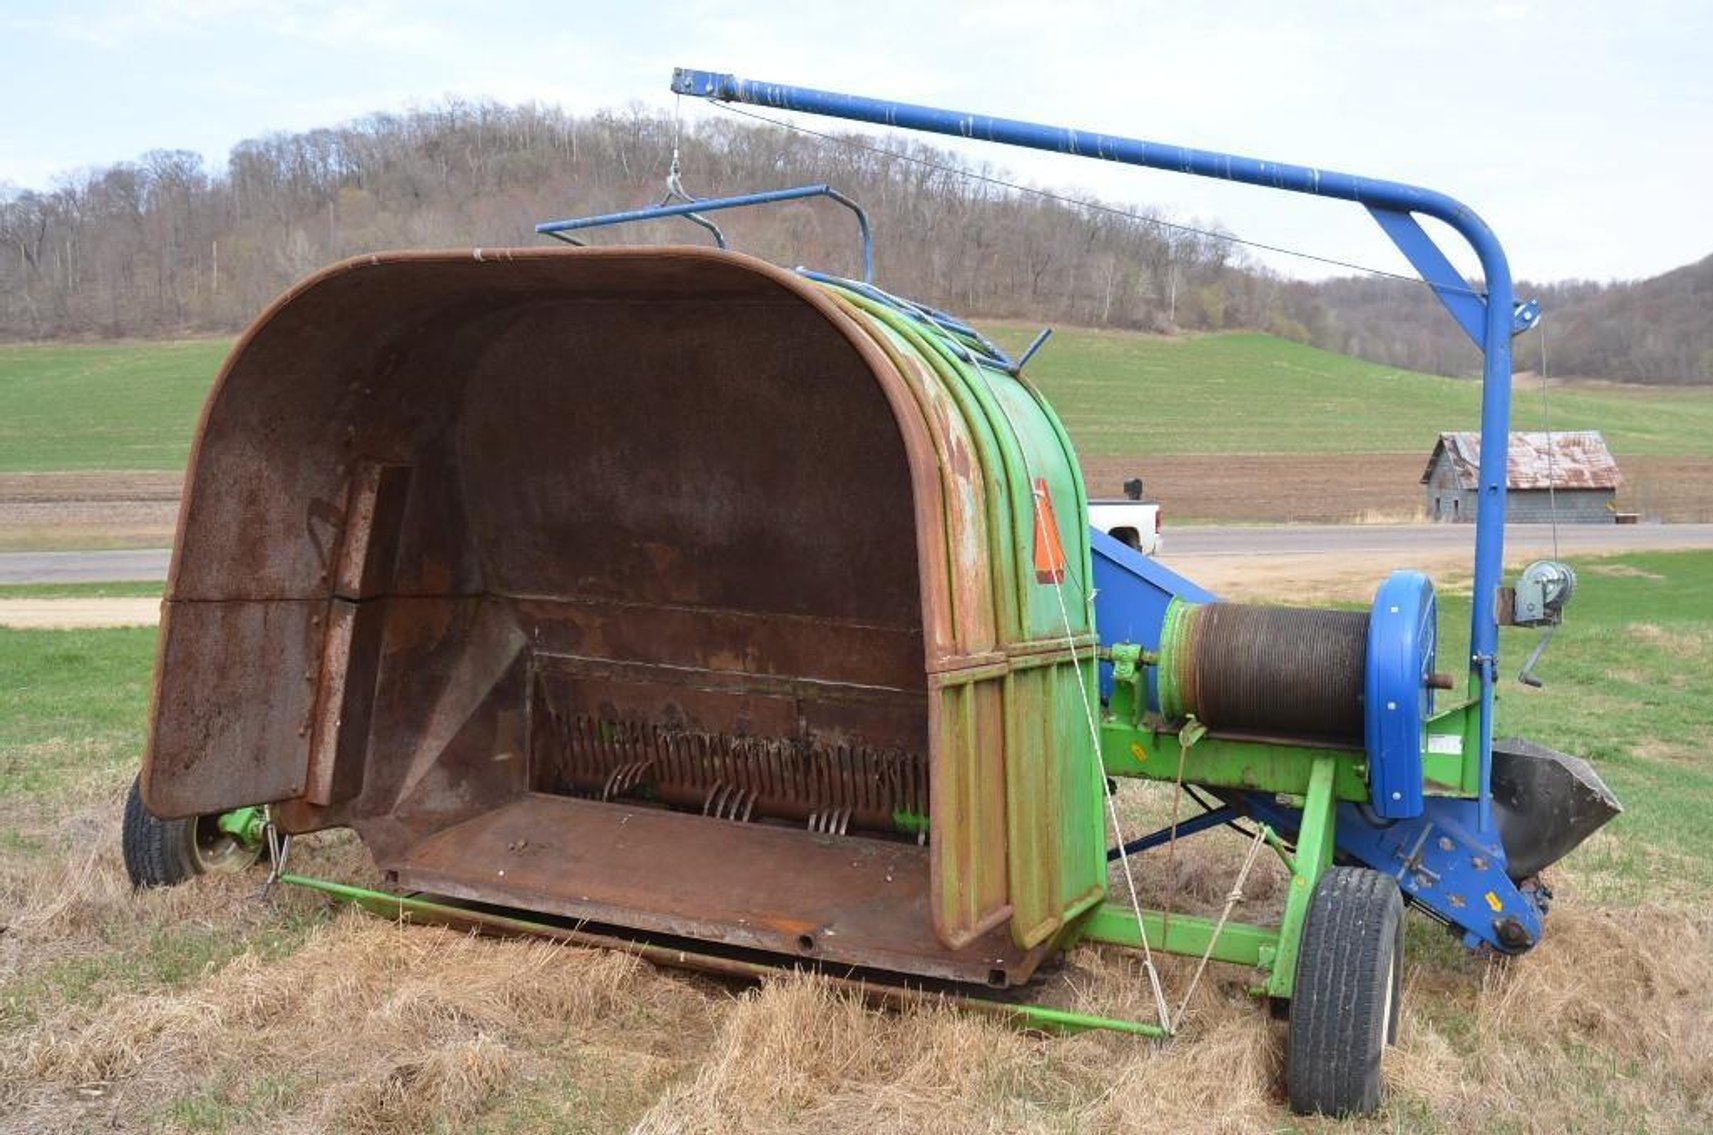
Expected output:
(1134, 519)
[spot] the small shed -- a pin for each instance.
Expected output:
(1571, 473)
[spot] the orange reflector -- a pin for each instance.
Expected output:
(1049, 551)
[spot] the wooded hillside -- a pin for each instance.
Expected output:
(165, 245)
(1657, 331)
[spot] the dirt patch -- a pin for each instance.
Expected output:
(1366, 487)
(1305, 579)
(1279, 488)
(92, 487)
(1667, 488)
(68, 614)
(1653, 749)
(40, 511)
(140, 510)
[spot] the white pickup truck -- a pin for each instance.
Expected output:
(1131, 519)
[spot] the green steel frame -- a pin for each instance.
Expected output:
(1136, 744)
(410, 908)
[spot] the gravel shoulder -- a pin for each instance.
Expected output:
(78, 614)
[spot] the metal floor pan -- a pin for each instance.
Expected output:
(833, 898)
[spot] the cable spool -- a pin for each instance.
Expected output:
(1280, 671)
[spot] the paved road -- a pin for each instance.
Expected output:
(147, 566)
(1193, 540)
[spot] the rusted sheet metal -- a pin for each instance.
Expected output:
(369, 536)
(1004, 449)
(345, 694)
(960, 513)
(233, 704)
(1569, 459)
(861, 902)
(492, 551)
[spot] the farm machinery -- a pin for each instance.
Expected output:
(741, 617)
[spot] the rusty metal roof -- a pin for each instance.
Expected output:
(1567, 459)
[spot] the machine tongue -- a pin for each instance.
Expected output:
(1546, 803)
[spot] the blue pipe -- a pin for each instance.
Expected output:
(1376, 194)
(714, 204)
(1212, 818)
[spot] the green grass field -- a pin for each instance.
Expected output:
(1123, 394)
(201, 1009)
(134, 406)
(1627, 679)
(72, 706)
(136, 590)
(103, 406)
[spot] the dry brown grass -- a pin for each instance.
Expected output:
(202, 1009)
(89, 611)
(374, 1027)
(1678, 644)
(1617, 570)
(1606, 1027)
(360, 1025)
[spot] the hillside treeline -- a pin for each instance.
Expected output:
(1658, 330)
(164, 245)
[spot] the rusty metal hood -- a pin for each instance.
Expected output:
(473, 542)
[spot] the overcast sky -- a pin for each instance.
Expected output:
(1582, 131)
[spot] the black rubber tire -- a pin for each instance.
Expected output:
(1344, 1009)
(165, 853)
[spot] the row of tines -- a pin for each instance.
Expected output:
(826, 786)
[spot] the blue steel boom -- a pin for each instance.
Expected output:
(1491, 319)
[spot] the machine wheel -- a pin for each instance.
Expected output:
(1344, 1010)
(164, 853)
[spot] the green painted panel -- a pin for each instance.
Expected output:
(1052, 842)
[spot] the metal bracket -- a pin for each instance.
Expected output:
(1126, 658)
(1525, 316)
(1466, 305)
(694, 208)
(279, 851)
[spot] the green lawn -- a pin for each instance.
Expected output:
(73, 705)
(137, 590)
(1627, 679)
(103, 406)
(1626, 686)
(133, 406)
(1122, 394)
